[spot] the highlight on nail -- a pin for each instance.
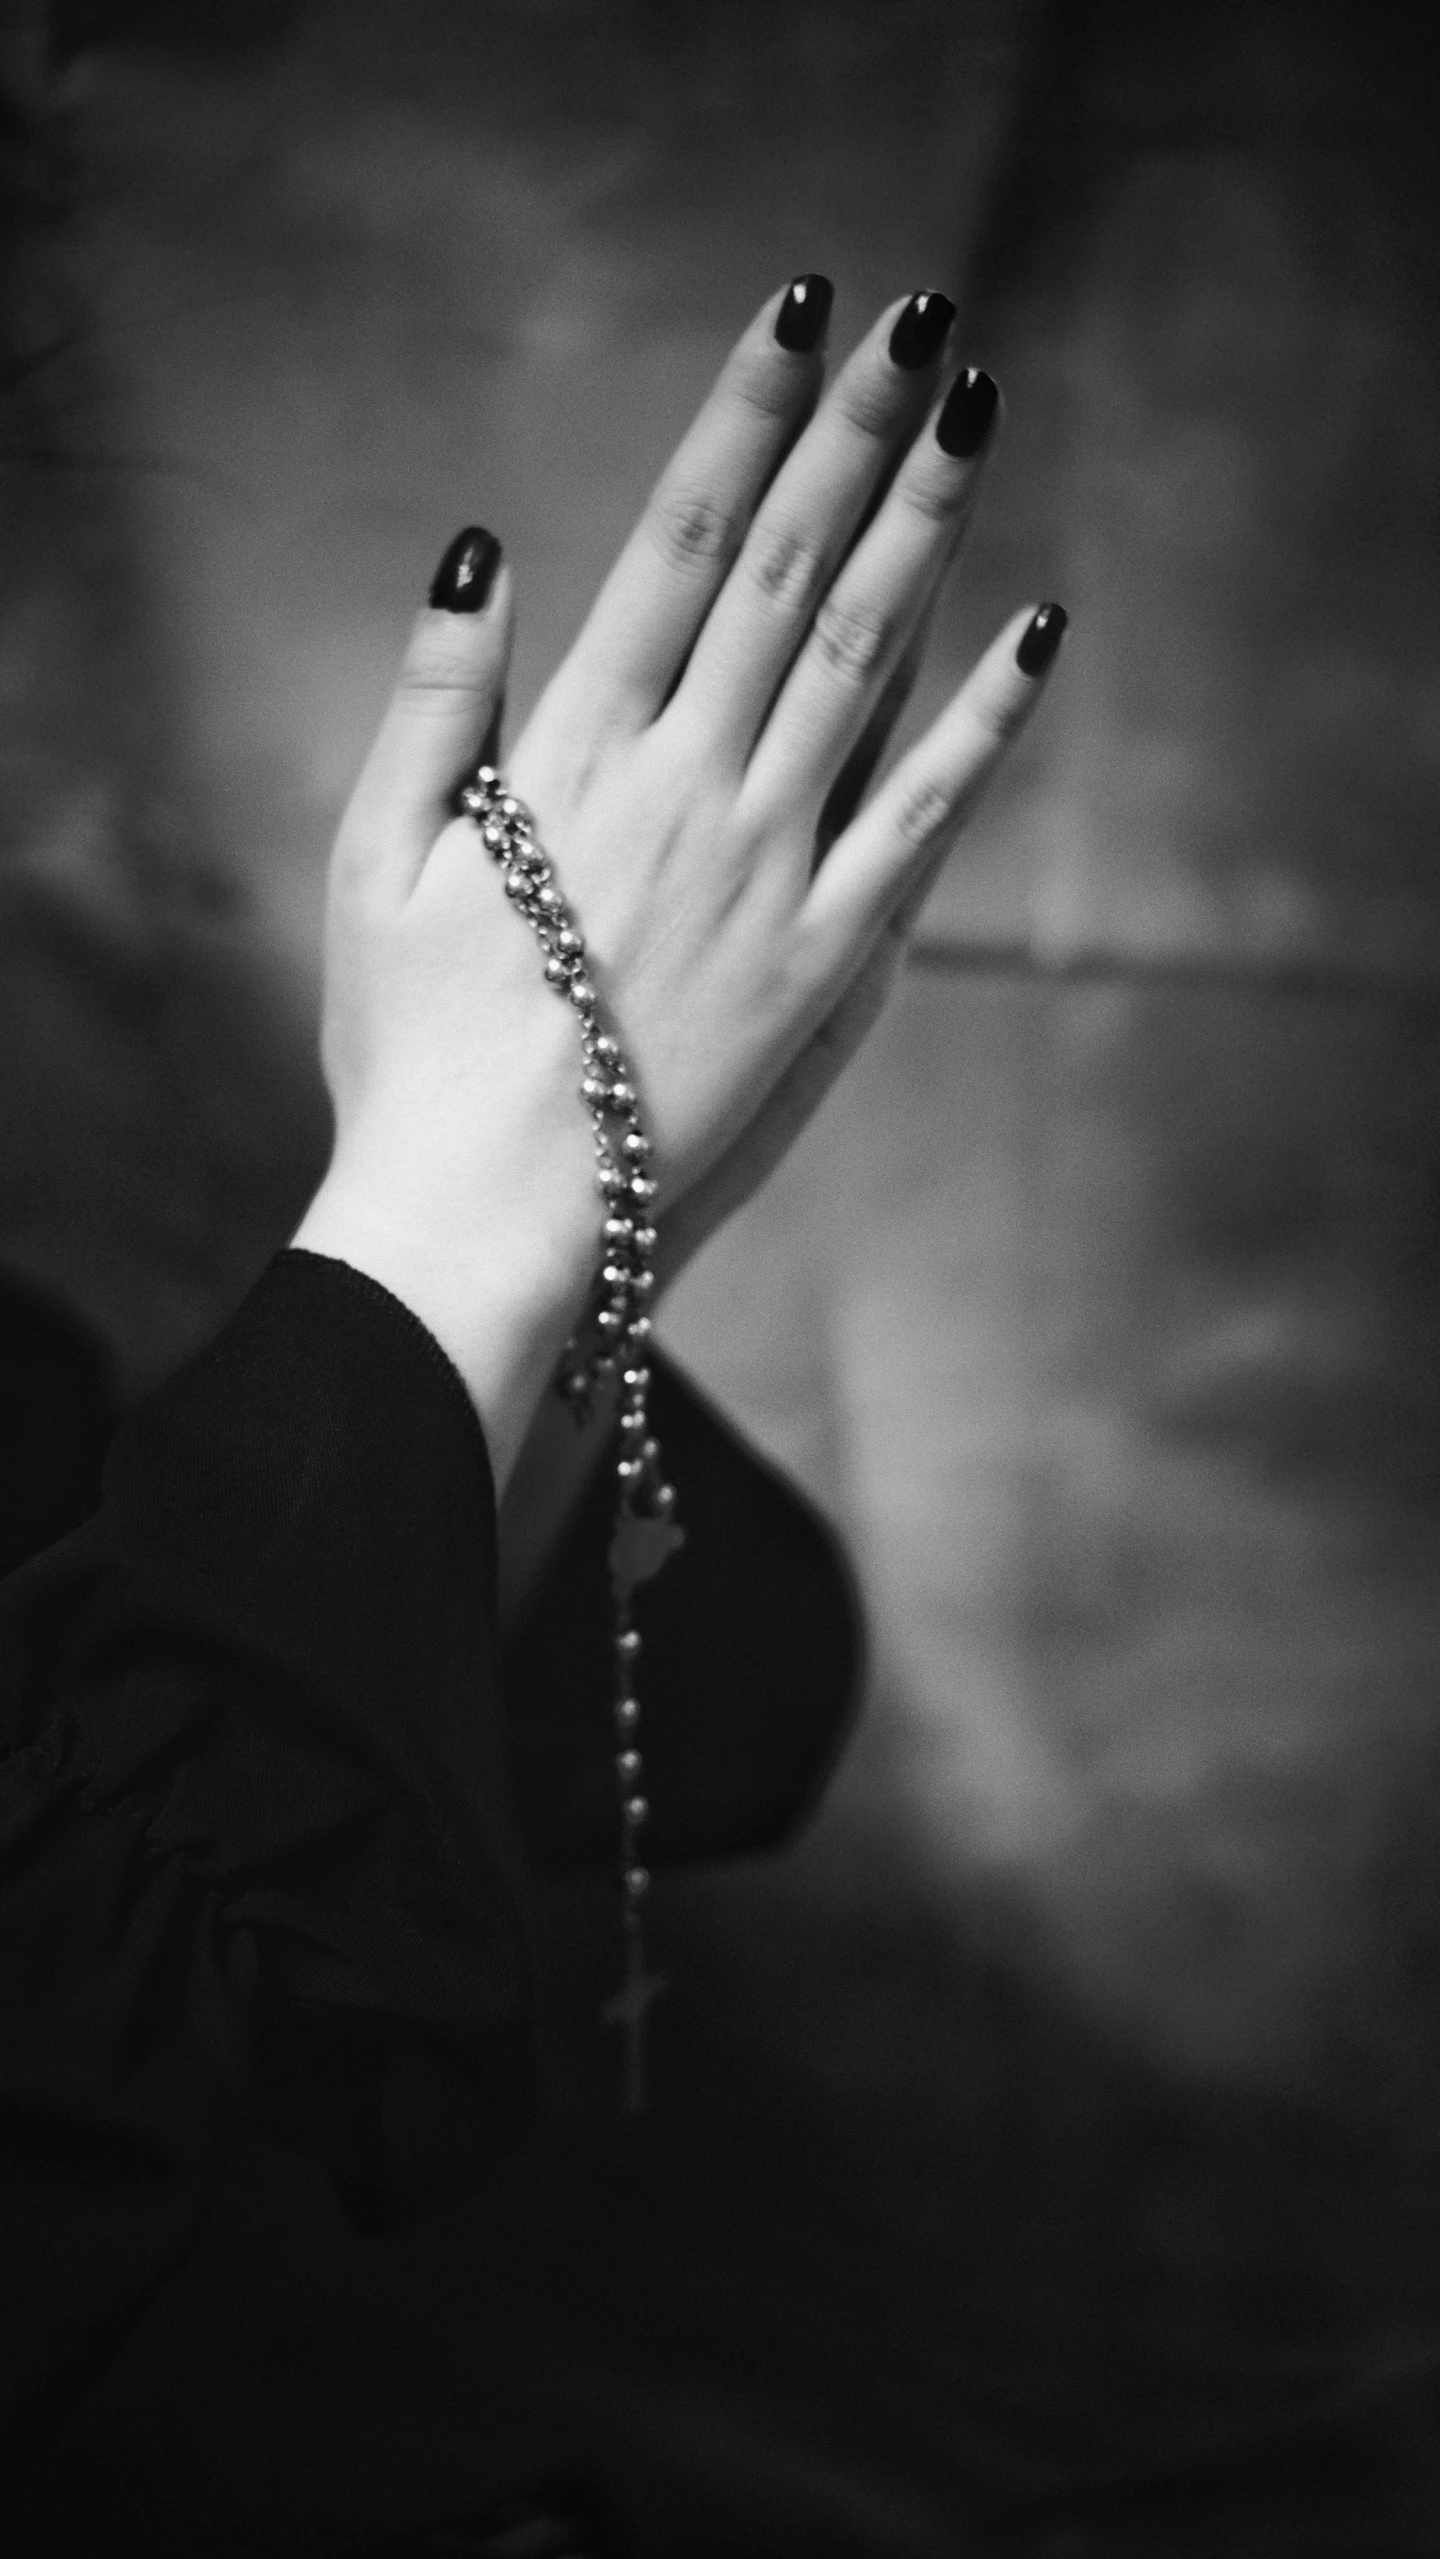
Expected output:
(921, 330)
(466, 574)
(968, 414)
(802, 316)
(1041, 638)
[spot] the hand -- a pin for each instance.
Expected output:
(683, 761)
(679, 767)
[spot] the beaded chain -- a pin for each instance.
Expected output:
(646, 1530)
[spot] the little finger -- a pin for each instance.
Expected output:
(901, 834)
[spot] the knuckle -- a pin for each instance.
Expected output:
(436, 672)
(937, 495)
(867, 401)
(767, 385)
(998, 716)
(924, 811)
(785, 565)
(850, 639)
(690, 531)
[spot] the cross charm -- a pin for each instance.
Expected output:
(628, 2007)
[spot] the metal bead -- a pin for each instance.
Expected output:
(486, 776)
(627, 1645)
(556, 973)
(608, 1322)
(636, 1145)
(628, 1470)
(621, 1097)
(636, 1811)
(637, 1883)
(618, 1230)
(627, 1713)
(515, 886)
(628, 1765)
(642, 1282)
(650, 1451)
(512, 808)
(592, 1091)
(582, 994)
(646, 1240)
(636, 1379)
(642, 1189)
(662, 1500)
(608, 1051)
(612, 1182)
(546, 900)
(641, 1330)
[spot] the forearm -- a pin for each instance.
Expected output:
(492, 1246)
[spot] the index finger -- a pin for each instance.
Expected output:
(644, 621)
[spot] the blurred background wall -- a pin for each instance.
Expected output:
(1045, 2157)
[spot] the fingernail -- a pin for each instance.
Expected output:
(800, 320)
(1041, 638)
(465, 576)
(920, 331)
(968, 414)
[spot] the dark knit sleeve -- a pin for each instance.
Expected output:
(257, 1850)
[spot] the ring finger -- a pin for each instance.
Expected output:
(871, 611)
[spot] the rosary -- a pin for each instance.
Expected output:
(646, 1530)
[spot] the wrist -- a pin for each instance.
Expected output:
(500, 1293)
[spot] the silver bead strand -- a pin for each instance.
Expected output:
(645, 1523)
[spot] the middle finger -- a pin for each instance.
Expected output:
(806, 523)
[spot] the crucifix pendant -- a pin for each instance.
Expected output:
(629, 2006)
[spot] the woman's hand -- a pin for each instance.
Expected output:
(680, 768)
(681, 763)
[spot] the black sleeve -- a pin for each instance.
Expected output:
(259, 1852)
(257, 1849)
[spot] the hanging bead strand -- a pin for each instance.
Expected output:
(646, 1532)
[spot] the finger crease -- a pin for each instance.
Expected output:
(850, 640)
(785, 567)
(692, 532)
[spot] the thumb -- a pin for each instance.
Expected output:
(443, 715)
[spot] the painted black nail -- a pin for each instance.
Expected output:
(920, 331)
(1041, 638)
(465, 576)
(800, 320)
(968, 414)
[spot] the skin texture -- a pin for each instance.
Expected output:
(703, 744)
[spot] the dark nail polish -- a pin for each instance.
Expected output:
(800, 320)
(920, 331)
(1041, 638)
(968, 414)
(465, 576)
